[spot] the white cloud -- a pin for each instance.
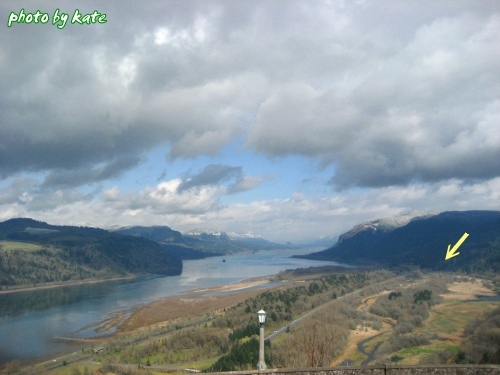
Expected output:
(295, 219)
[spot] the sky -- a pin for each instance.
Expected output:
(291, 120)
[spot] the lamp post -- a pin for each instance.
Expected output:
(262, 319)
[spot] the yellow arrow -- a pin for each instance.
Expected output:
(451, 253)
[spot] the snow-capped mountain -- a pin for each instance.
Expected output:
(248, 240)
(386, 224)
(422, 240)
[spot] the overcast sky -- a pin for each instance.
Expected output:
(290, 119)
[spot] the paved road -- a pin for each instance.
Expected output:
(296, 321)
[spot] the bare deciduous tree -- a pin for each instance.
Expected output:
(318, 339)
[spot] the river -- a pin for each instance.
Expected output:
(31, 321)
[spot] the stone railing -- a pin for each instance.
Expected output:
(382, 370)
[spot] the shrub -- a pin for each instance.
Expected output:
(423, 295)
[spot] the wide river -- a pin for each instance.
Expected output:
(31, 321)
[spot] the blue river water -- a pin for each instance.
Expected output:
(31, 322)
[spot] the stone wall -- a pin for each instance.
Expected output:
(383, 370)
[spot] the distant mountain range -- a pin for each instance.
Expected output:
(197, 243)
(34, 252)
(422, 240)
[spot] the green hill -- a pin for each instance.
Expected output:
(423, 242)
(33, 252)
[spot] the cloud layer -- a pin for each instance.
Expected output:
(297, 219)
(398, 96)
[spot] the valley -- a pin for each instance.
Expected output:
(319, 313)
(193, 330)
(444, 326)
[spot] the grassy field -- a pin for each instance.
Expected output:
(412, 356)
(444, 326)
(448, 320)
(176, 310)
(14, 245)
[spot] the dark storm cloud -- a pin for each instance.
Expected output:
(388, 92)
(82, 176)
(426, 111)
(213, 174)
(94, 94)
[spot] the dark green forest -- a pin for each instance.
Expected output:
(423, 243)
(71, 253)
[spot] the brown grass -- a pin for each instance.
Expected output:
(447, 320)
(359, 334)
(450, 318)
(174, 310)
(467, 290)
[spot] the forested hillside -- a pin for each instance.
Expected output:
(33, 252)
(423, 242)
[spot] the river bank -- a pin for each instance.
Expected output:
(190, 306)
(36, 317)
(197, 303)
(193, 304)
(61, 284)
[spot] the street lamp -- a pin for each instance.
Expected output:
(262, 319)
